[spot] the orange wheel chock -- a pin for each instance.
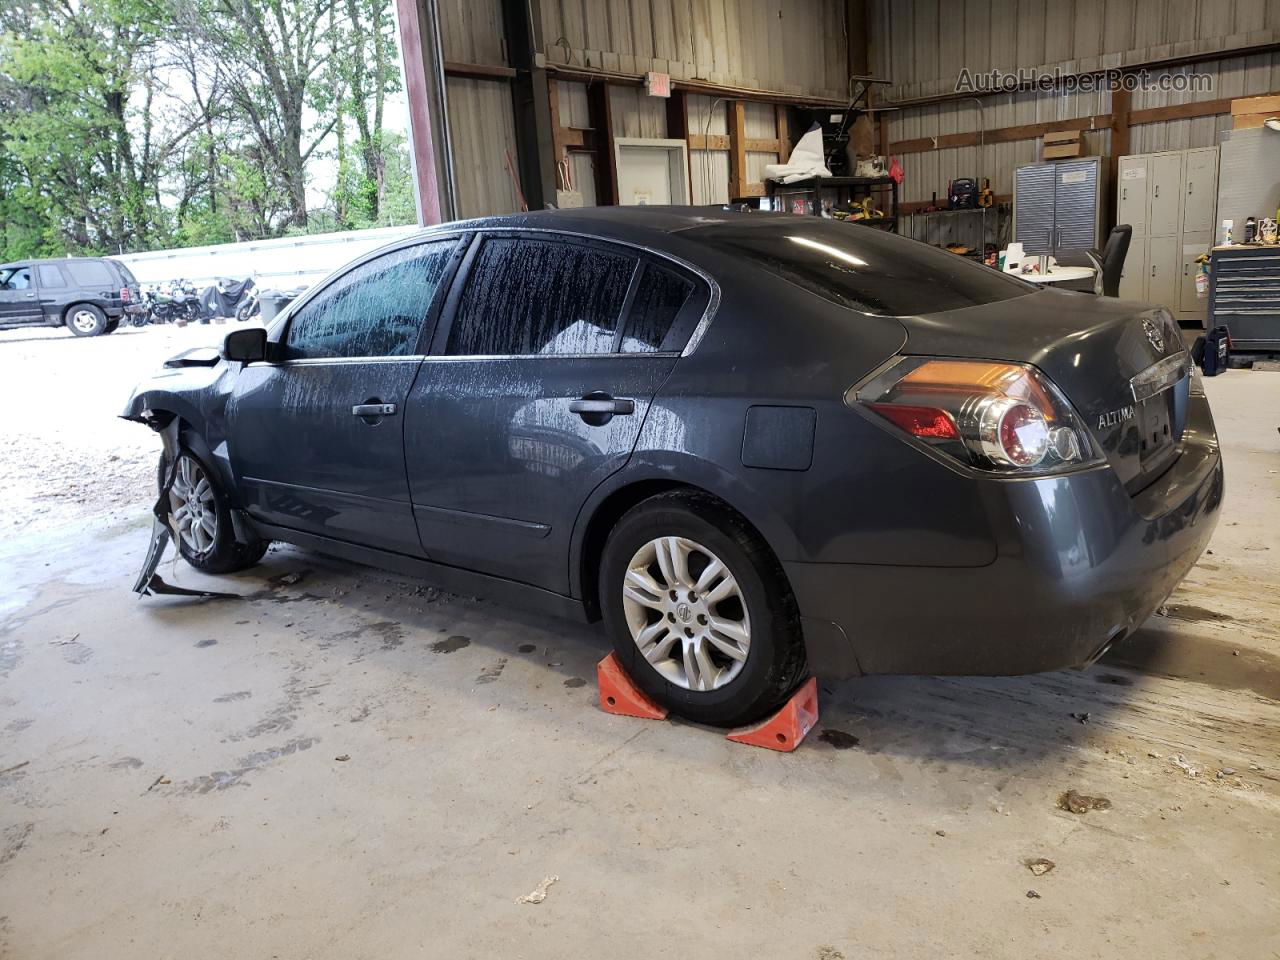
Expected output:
(786, 728)
(619, 695)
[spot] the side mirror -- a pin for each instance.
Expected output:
(246, 346)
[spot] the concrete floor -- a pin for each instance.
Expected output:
(348, 764)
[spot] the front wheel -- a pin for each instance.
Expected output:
(699, 610)
(201, 519)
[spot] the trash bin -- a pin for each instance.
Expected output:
(273, 301)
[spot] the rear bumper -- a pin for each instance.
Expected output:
(1079, 562)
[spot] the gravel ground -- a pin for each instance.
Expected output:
(67, 455)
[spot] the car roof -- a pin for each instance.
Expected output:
(614, 221)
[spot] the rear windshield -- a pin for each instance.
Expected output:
(861, 267)
(125, 272)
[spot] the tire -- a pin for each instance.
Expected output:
(85, 320)
(733, 691)
(215, 551)
(247, 311)
(112, 326)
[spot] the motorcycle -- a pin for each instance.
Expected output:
(174, 302)
(249, 306)
(225, 298)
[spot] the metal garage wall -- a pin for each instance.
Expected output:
(575, 114)
(481, 128)
(786, 46)
(922, 45)
(481, 121)
(708, 169)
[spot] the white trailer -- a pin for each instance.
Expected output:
(284, 263)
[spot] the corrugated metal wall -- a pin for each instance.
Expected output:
(787, 46)
(481, 120)
(922, 45)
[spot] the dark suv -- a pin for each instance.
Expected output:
(89, 295)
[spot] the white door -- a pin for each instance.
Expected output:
(1131, 206)
(1133, 278)
(1201, 190)
(1165, 172)
(1163, 269)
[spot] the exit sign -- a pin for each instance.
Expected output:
(657, 84)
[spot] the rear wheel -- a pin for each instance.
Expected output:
(699, 610)
(86, 320)
(199, 511)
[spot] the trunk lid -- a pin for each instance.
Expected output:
(1092, 348)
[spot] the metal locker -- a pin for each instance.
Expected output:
(1163, 271)
(1075, 211)
(1133, 278)
(1165, 175)
(1033, 208)
(1131, 207)
(1201, 192)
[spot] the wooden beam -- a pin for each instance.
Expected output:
(1099, 121)
(714, 141)
(784, 134)
(1027, 131)
(1182, 111)
(591, 75)
(737, 148)
(453, 68)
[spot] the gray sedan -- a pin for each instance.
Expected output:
(754, 445)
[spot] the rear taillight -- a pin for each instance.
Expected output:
(125, 296)
(1000, 417)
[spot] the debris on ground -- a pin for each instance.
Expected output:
(828, 952)
(16, 766)
(939, 833)
(1154, 755)
(1082, 717)
(1226, 772)
(343, 757)
(1040, 866)
(539, 892)
(288, 579)
(1032, 895)
(1076, 802)
(1184, 765)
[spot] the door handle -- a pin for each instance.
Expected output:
(374, 410)
(1157, 193)
(1190, 184)
(1153, 269)
(603, 405)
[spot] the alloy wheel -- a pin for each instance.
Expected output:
(686, 613)
(86, 321)
(193, 507)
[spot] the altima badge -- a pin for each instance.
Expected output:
(1115, 417)
(1153, 334)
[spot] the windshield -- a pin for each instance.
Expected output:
(861, 267)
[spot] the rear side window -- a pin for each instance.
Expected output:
(659, 298)
(50, 276)
(861, 267)
(91, 274)
(375, 310)
(540, 298)
(126, 273)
